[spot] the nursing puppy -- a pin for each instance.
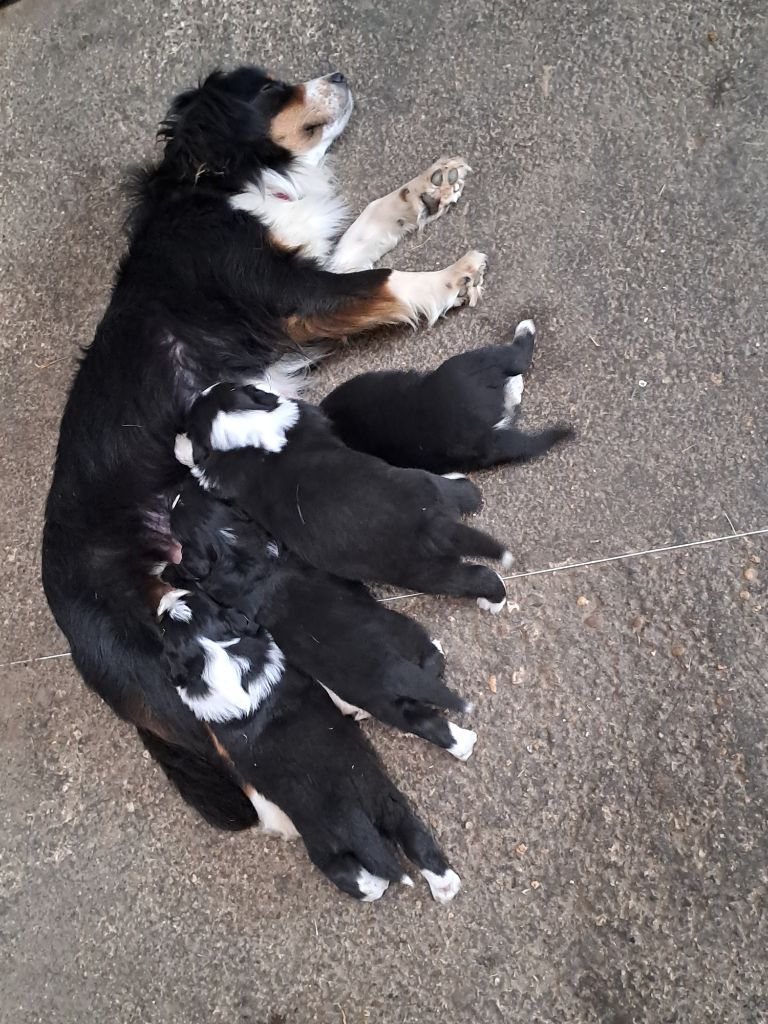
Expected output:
(456, 418)
(339, 510)
(371, 660)
(273, 727)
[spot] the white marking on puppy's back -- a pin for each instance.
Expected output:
(270, 675)
(226, 699)
(254, 428)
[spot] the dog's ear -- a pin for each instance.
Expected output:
(208, 130)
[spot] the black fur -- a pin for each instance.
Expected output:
(201, 295)
(443, 421)
(332, 629)
(343, 511)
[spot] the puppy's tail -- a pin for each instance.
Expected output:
(513, 445)
(203, 784)
(416, 684)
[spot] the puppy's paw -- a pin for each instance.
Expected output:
(440, 186)
(466, 277)
(443, 887)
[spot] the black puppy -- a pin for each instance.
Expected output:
(337, 509)
(371, 660)
(457, 418)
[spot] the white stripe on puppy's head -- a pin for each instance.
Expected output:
(254, 428)
(228, 416)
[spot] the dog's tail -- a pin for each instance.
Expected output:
(203, 784)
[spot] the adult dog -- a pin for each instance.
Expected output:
(233, 259)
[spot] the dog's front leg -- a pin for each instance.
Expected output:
(386, 221)
(336, 305)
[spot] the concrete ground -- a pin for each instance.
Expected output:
(611, 828)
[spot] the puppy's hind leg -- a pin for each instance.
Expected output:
(424, 721)
(420, 847)
(460, 493)
(460, 579)
(466, 540)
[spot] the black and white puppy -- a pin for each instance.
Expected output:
(273, 726)
(456, 418)
(339, 510)
(370, 659)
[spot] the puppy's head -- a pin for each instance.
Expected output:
(237, 125)
(228, 416)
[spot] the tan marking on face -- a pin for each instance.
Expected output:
(306, 108)
(287, 128)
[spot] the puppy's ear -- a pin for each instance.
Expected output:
(261, 399)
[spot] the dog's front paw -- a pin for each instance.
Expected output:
(465, 279)
(439, 187)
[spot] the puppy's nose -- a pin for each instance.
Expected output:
(337, 78)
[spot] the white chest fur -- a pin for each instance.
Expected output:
(302, 209)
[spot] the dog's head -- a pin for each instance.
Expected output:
(237, 125)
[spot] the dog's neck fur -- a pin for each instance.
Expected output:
(301, 208)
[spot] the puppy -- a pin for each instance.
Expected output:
(456, 418)
(370, 660)
(339, 510)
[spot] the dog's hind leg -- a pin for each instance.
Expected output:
(388, 220)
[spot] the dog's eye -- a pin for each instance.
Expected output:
(267, 86)
(309, 128)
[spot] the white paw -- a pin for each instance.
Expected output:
(454, 476)
(465, 279)
(525, 327)
(430, 195)
(438, 645)
(443, 887)
(489, 606)
(507, 560)
(463, 742)
(371, 886)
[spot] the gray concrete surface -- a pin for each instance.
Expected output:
(611, 828)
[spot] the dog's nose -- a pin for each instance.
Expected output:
(337, 78)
